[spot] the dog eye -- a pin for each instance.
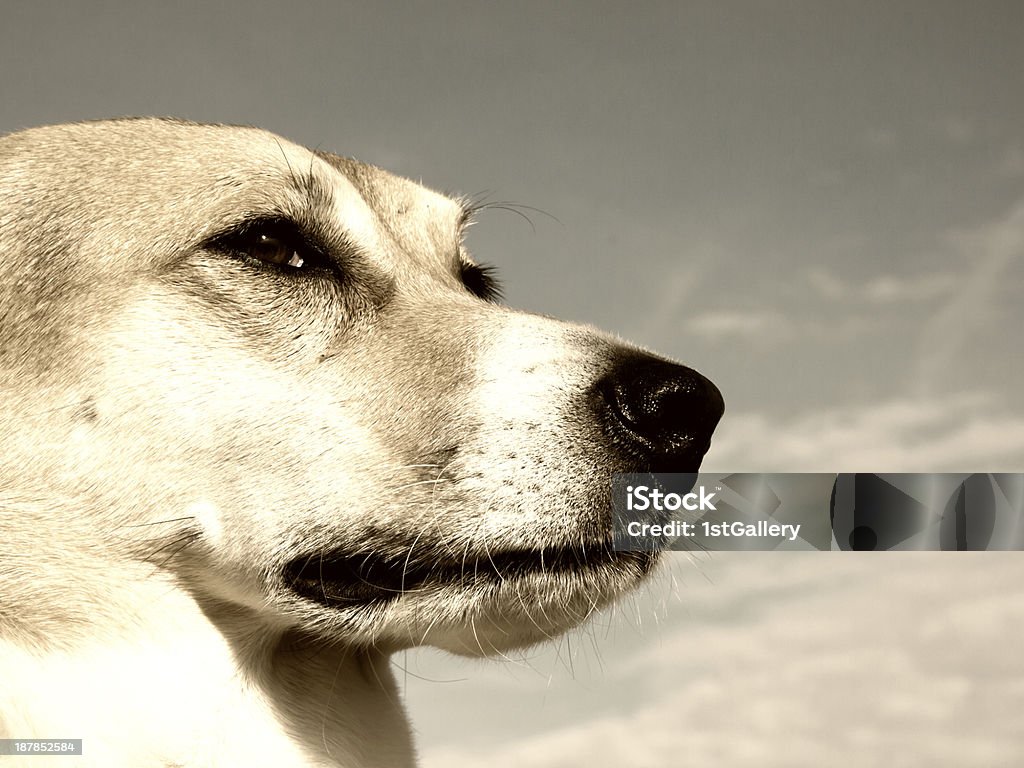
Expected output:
(275, 242)
(273, 250)
(481, 280)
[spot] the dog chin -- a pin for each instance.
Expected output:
(478, 607)
(527, 611)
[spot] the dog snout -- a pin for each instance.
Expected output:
(660, 412)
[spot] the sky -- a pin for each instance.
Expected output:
(818, 205)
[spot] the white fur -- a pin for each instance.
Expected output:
(179, 426)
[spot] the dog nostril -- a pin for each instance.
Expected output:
(666, 408)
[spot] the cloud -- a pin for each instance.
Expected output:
(1012, 163)
(738, 323)
(882, 289)
(774, 327)
(827, 285)
(889, 289)
(955, 433)
(807, 664)
(675, 289)
(956, 129)
(990, 250)
(881, 139)
(847, 316)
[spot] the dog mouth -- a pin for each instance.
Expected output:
(340, 579)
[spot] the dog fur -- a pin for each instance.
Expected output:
(262, 427)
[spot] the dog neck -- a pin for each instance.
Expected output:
(185, 684)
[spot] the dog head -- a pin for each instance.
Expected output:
(277, 376)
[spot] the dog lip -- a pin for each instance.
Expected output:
(339, 579)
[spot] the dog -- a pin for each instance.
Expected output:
(265, 423)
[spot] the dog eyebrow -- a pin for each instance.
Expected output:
(467, 215)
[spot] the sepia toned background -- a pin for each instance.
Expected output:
(819, 205)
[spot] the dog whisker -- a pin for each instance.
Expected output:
(161, 522)
(413, 484)
(179, 542)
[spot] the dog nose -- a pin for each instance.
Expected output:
(662, 411)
